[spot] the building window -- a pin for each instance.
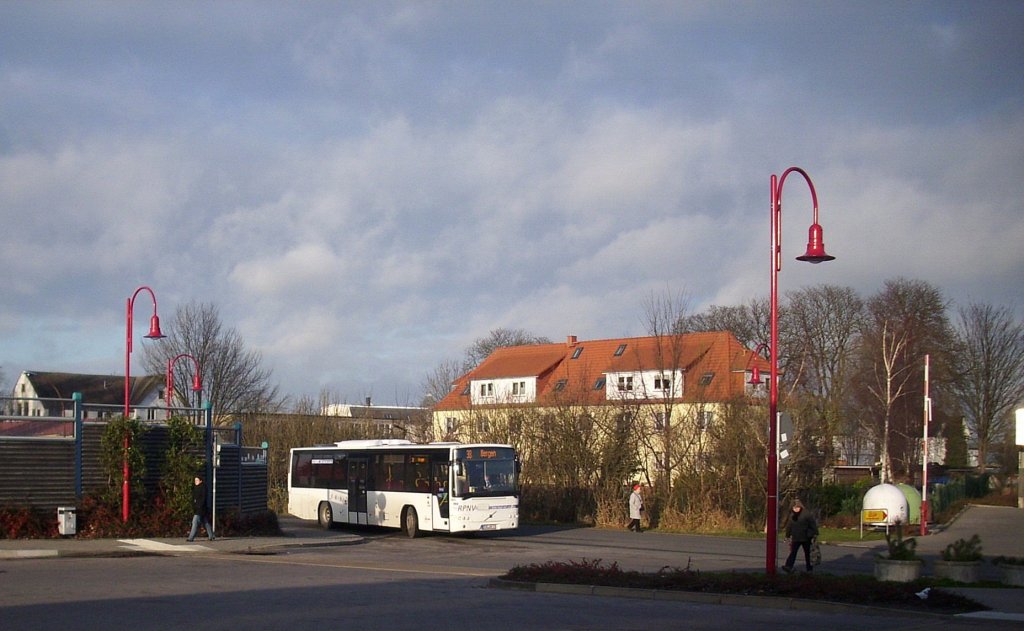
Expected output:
(483, 426)
(465, 392)
(560, 384)
(705, 379)
(518, 388)
(660, 420)
(449, 424)
(620, 350)
(579, 351)
(626, 384)
(487, 389)
(599, 384)
(662, 383)
(704, 419)
(659, 461)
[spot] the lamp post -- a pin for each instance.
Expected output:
(815, 254)
(154, 334)
(197, 381)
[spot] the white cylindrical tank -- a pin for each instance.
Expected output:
(890, 499)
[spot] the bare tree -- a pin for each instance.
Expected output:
(750, 323)
(913, 312)
(438, 382)
(822, 332)
(234, 380)
(890, 375)
(990, 372)
(661, 316)
(482, 347)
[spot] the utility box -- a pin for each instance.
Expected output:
(66, 522)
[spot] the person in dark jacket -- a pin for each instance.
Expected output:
(800, 532)
(200, 510)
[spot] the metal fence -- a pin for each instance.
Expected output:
(51, 461)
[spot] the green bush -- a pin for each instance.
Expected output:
(963, 550)
(900, 549)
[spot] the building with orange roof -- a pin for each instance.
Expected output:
(683, 377)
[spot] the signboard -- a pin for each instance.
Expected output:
(874, 515)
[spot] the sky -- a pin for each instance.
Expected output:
(363, 189)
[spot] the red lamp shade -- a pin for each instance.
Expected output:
(197, 383)
(154, 328)
(755, 377)
(815, 246)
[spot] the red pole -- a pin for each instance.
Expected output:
(772, 504)
(125, 490)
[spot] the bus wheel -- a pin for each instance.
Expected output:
(325, 516)
(411, 523)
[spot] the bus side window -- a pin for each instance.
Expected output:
(302, 470)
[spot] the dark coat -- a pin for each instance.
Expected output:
(801, 527)
(199, 504)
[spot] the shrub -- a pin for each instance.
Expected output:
(963, 550)
(1004, 560)
(24, 522)
(864, 590)
(900, 549)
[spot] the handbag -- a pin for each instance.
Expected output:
(815, 552)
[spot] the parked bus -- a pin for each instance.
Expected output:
(439, 487)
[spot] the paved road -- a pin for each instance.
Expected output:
(383, 580)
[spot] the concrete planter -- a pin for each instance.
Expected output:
(959, 571)
(897, 571)
(1013, 574)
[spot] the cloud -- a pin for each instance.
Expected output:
(363, 190)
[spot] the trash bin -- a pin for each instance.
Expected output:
(66, 520)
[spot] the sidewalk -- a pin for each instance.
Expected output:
(296, 533)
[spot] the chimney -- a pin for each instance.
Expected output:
(367, 401)
(570, 341)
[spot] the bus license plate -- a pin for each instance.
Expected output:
(488, 526)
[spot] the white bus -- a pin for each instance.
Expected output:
(440, 487)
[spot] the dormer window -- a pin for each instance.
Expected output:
(626, 383)
(576, 354)
(620, 350)
(487, 389)
(705, 379)
(560, 384)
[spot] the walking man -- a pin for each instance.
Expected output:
(200, 510)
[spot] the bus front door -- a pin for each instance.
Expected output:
(357, 471)
(439, 490)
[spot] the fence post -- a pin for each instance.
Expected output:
(238, 444)
(76, 398)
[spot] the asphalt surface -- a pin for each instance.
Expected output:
(1001, 530)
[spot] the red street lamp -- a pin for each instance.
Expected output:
(755, 371)
(197, 382)
(815, 254)
(154, 334)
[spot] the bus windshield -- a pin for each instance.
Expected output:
(485, 471)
